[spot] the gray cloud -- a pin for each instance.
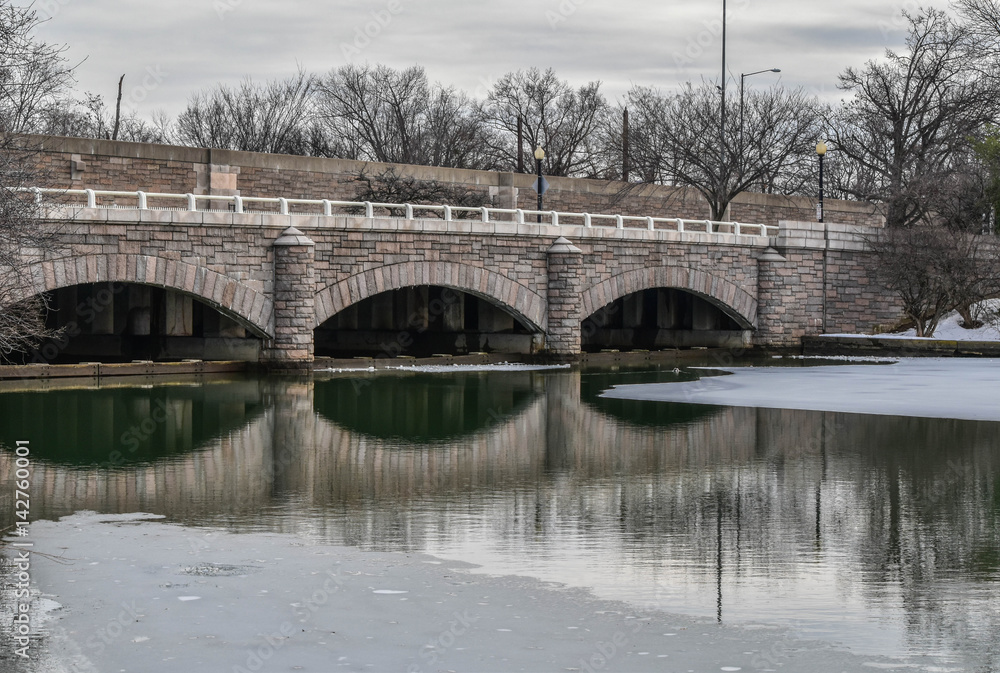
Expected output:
(469, 43)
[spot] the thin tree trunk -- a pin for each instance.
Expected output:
(118, 110)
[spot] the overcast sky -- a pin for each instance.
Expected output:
(171, 48)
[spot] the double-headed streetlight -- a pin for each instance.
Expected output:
(539, 155)
(743, 77)
(820, 152)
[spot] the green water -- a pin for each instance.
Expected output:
(881, 533)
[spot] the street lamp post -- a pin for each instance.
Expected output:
(743, 77)
(820, 152)
(722, 111)
(539, 155)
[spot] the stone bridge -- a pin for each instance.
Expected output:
(294, 273)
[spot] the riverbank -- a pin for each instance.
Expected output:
(866, 344)
(133, 593)
(152, 368)
(136, 368)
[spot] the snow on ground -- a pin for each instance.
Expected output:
(928, 387)
(949, 329)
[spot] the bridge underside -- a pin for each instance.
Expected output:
(659, 318)
(120, 322)
(116, 322)
(423, 320)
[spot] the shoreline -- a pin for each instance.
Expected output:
(320, 364)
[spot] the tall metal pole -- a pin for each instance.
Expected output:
(820, 213)
(722, 125)
(741, 148)
(625, 147)
(538, 163)
(743, 76)
(520, 144)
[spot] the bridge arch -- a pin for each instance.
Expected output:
(730, 298)
(522, 302)
(251, 308)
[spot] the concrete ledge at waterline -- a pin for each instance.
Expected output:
(95, 369)
(830, 345)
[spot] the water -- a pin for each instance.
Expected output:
(881, 533)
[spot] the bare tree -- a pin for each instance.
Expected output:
(933, 270)
(89, 117)
(455, 133)
(271, 117)
(910, 122)
(770, 153)
(391, 187)
(22, 311)
(648, 145)
(982, 19)
(33, 75)
(376, 113)
(561, 119)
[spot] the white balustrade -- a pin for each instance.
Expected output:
(408, 211)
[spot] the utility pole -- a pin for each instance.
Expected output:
(520, 144)
(625, 148)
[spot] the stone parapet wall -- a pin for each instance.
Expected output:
(774, 208)
(818, 279)
(78, 163)
(856, 302)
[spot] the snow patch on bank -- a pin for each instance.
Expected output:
(925, 387)
(949, 329)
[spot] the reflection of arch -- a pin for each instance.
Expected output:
(525, 304)
(231, 297)
(641, 413)
(127, 425)
(729, 297)
(415, 408)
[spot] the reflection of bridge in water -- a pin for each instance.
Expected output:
(527, 438)
(233, 446)
(527, 456)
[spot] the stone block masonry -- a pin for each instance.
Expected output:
(809, 279)
(294, 300)
(77, 163)
(565, 283)
(281, 276)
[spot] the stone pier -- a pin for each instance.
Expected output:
(294, 301)
(565, 262)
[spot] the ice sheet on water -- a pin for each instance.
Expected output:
(927, 387)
